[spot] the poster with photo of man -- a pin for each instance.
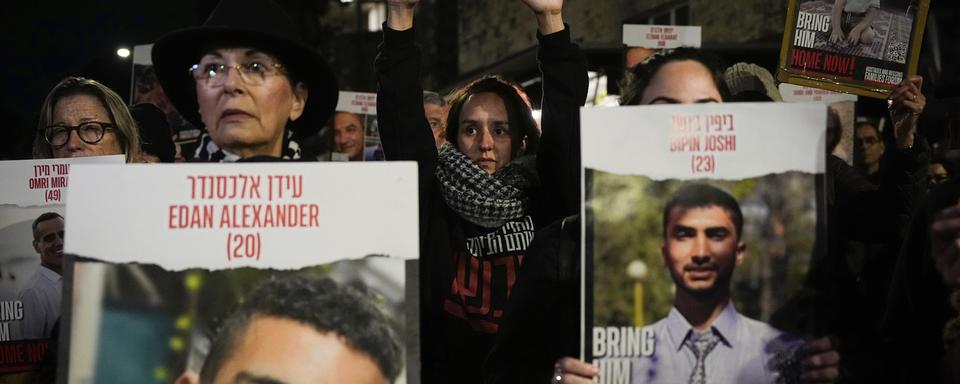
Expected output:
(700, 227)
(260, 274)
(355, 136)
(864, 47)
(32, 222)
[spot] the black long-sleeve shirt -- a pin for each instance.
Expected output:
(463, 294)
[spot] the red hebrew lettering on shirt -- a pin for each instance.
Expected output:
(485, 275)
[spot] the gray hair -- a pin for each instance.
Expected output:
(430, 97)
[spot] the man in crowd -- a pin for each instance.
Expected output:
(436, 110)
(348, 135)
(704, 338)
(870, 150)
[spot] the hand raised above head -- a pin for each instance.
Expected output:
(544, 6)
(906, 104)
(400, 14)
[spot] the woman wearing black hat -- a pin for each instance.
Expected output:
(246, 77)
(493, 181)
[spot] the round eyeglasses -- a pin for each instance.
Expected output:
(252, 73)
(90, 132)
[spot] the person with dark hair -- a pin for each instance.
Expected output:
(247, 77)
(349, 135)
(82, 117)
(869, 150)
(156, 140)
(484, 193)
(41, 294)
(435, 107)
(303, 330)
(704, 339)
(938, 172)
(676, 76)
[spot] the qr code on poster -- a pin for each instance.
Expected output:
(897, 51)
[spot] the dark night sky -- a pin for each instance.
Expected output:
(47, 41)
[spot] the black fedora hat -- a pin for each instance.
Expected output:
(259, 24)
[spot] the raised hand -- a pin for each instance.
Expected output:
(549, 14)
(906, 105)
(544, 6)
(400, 14)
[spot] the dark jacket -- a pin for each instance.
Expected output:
(463, 295)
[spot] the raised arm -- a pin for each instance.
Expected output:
(564, 71)
(404, 130)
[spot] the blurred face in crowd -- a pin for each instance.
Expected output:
(681, 82)
(247, 113)
(80, 110)
(936, 174)
(48, 242)
(278, 350)
(348, 135)
(701, 247)
(871, 146)
(485, 134)
(436, 115)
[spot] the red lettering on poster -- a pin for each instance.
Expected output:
(49, 179)
(249, 201)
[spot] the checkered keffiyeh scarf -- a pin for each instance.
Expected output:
(481, 198)
(208, 151)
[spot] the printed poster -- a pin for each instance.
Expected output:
(865, 47)
(708, 208)
(356, 136)
(841, 109)
(31, 260)
(643, 40)
(242, 273)
(661, 36)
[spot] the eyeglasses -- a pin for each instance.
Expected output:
(90, 132)
(252, 73)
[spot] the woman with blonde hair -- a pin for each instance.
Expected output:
(81, 117)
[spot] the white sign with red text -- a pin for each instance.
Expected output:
(264, 215)
(661, 36)
(357, 102)
(692, 141)
(42, 182)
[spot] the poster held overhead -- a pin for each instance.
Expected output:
(860, 47)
